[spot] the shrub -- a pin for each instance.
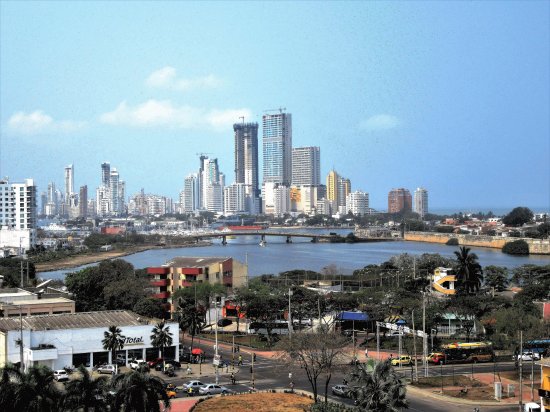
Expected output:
(517, 247)
(452, 242)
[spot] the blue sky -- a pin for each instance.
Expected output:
(451, 96)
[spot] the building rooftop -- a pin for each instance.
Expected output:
(195, 262)
(81, 320)
(41, 301)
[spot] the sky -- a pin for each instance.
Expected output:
(450, 96)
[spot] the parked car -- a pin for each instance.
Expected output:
(213, 389)
(402, 360)
(61, 375)
(106, 369)
(341, 390)
(137, 364)
(194, 385)
(153, 363)
(528, 356)
(176, 364)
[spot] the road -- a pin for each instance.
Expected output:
(271, 373)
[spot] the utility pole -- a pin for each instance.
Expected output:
(22, 278)
(217, 356)
(520, 370)
(424, 338)
(414, 348)
(21, 364)
(289, 316)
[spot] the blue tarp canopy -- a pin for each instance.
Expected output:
(356, 316)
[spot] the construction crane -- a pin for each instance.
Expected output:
(280, 109)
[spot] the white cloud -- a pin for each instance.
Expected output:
(379, 122)
(164, 113)
(39, 122)
(166, 78)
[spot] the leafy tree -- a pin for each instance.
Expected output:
(517, 247)
(10, 268)
(125, 293)
(379, 388)
(138, 392)
(85, 393)
(113, 341)
(149, 307)
(317, 353)
(544, 230)
(469, 272)
(161, 337)
(33, 391)
(452, 242)
(518, 216)
(266, 308)
(190, 317)
(496, 277)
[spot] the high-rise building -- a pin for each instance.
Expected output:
(111, 194)
(421, 201)
(277, 148)
(191, 193)
(344, 189)
(246, 156)
(105, 174)
(83, 202)
(399, 200)
(306, 166)
(235, 199)
(358, 203)
(18, 216)
(338, 188)
(69, 182)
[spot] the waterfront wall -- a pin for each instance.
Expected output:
(536, 246)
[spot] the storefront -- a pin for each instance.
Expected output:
(76, 339)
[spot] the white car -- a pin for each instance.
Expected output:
(212, 389)
(529, 356)
(61, 375)
(106, 369)
(138, 364)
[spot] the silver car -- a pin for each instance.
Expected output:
(106, 369)
(341, 390)
(213, 389)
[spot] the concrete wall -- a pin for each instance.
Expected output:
(536, 246)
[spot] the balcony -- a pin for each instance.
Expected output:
(158, 271)
(161, 295)
(159, 282)
(42, 353)
(186, 284)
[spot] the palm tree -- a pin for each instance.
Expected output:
(190, 318)
(380, 388)
(469, 272)
(161, 337)
(33, 391)
(85, 394)
(138, 392)
(114, 341)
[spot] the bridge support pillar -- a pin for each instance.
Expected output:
(224, 240)
(263, 238)
(314, 239)
(289, 239)
(197, 239)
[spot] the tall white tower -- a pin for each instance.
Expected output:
(421, 201)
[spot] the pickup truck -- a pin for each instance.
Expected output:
(137, 364)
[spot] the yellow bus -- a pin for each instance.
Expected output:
(459, 352)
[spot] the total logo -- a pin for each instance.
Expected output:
(133, 341)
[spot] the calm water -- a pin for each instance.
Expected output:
(279, 256)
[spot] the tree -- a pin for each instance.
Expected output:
(190, 318)
(518, 216)
(317, 353)
(85, 393)
(138, 392)
(149, 307)
(265, 308)
(161, 337)
(517, 247)
(496, 277)
(113, 341)
(33, 391)
(379, 387)
(469, 272)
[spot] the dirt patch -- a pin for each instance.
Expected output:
(257, 402)
(484, 393)
(458, 380)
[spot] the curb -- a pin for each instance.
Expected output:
(452, 399)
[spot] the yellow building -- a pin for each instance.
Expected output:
(544, 391)
(443, 281)
(332, 185)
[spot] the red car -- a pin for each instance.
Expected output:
(155, 362)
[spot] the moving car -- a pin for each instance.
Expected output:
(61, 375)
(341, 390)
(171, 393)
(528, 356)
(106, 369)
(212, 389)
(194, 385)
(436, 358)
(137, 364)
(402, 360)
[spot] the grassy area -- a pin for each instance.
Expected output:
(257, 402)
(458, 380)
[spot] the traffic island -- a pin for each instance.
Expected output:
(257, 402)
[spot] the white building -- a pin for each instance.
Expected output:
(358, 203)
(235, 198)
(277, 148)
(17, 215)
(306, 166)
(75, 339)
(421, 201)
(191, 193)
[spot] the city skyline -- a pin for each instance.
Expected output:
(397, 95)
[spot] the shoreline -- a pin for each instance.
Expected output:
(76, 261)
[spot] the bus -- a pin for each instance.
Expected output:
(467, 352)
(540, 346)
(277, 327)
